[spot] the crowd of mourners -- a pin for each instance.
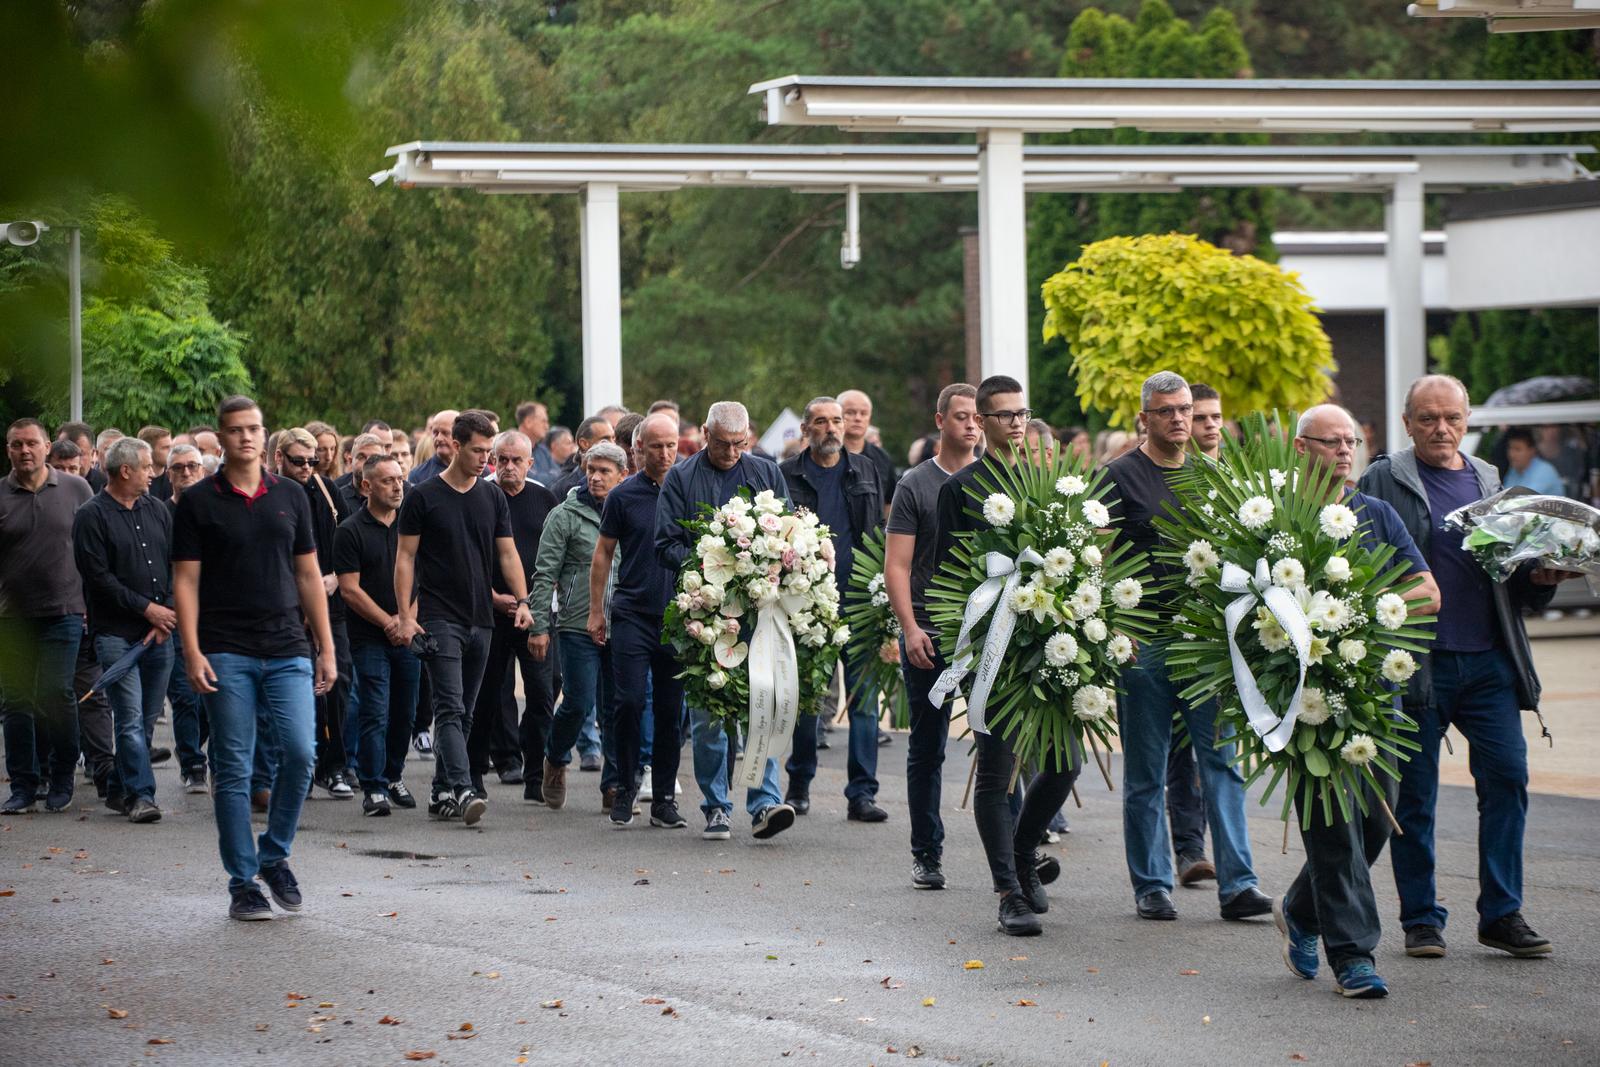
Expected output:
(313, 608)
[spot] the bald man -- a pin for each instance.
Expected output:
(444, 447)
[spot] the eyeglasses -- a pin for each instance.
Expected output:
(300, 461)
(1170, 410)
(1334, 442)
(184, 468)
(1008, 416)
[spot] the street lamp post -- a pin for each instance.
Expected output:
(23, 234)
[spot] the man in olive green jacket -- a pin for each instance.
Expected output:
(561, 569)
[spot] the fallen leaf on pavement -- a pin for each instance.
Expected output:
(550, 1004)
(890, 983)
(652, 1000)
(159, 1041)
(8, 892)
(389, 1020)
(107, 962)
(1092, 970)
(294, 996)
(913, 1051)
(1298, 1057)
(927, 1002)
(972, 965)
(116, 1013)
(421, 1054)
(388, 914)
(464, 1028)
(1027, 1004)
(1205, 1020)
(459, 1036)
(325, 1004)
(835, 1000)
(261, 1028)
(1188, 973)
(1014, 958)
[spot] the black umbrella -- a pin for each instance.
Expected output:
(1541, 390)
(113, 674)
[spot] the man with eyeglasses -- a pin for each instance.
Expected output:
(1010, 841)
(496, 738)
(712, 476)
(1477, 677)
(189, 727)
(1139, 488)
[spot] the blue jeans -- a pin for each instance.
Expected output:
(384, 693)
(930, 731)
(1146, 726)
(455, 672)
(259, 700)
(188, 715)
(37, 660)
(585, 696)
(862, 762)
(712, 771)
(1476, 693)
(136, 701)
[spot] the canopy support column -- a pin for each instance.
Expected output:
(1404, 317)
(602, 297)
(1002, 255)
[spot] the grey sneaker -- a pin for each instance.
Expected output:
(194, 781)
(718, 826)
(664, 813)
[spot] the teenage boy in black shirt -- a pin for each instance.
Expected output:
(244, 571)
(386, 670)
(1009, 840)
(453, 530)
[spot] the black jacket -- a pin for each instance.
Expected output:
(125, 558)
(1394, 479)
(863, 494)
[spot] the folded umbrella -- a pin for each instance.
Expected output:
(113, 674)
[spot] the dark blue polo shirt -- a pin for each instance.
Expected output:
(643, 585)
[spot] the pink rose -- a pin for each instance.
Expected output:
(788, 559)
(695, 628)
(744, 542)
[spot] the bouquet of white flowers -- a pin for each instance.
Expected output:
(875, 632)
(755, 621)
(1044, 604)
(1298, 629)
(1517, 525)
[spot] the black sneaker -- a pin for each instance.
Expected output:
(335, 785)
(926, 872)
(772, 821)
(1032, 887)
(1017, 918)
(375, 804)
(512, 775)
(400, 796)
(159, 755)
(144, 811)
(444, 806)
(664, 813)
(281, 884)
(59, 796)
(479, 790)
(864, 810)
(194, 781)
(248, 905)
(22, 802)
(1511, 933)
(1424, 942)
(472, 806)
(621, 808)
(718, 826)
(1049, 868)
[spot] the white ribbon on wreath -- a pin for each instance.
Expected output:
(1004, 575)
(1273, 729)
(774, 693)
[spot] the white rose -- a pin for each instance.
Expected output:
(1095, 513)
(692, 582)
(745, 526)
(999, 510)
(768, 503)
(1337, 569)
(717, 679)
(1095, 630)
(1352, 651)
(1090, 555)
(841, 636)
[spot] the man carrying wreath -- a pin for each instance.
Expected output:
(1332, 895)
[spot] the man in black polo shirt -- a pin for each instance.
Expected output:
(1009, 841)
(244, 571)
(496, 737)
(454, 529)
(386, 670)
(122, 541)
(41, 618)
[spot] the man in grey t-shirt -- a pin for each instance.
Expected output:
(913, 538)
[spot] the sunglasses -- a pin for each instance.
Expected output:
(300, 461)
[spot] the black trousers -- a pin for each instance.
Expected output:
(1005, 835)
(97, 727)
(497, 739)
(333, 705)
(1186, 805)
(1332, 895)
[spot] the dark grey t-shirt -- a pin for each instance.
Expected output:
(915, 511)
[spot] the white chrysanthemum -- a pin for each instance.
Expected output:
(1337, 521)
(1359, 751)
(1119, 648)
(1127, 593)
(1327, 612)
(1095, 513)
(1022, 599)
(1201, 557)
(1398, 666)
(1090, 556)
(1058, 562)
(1352, 651)
(1085, 600)
(1288, 573)
(716, 679)
(1337, 569)
(1279, 478)
(1313, 706)
(1070, 485)
(999, 510)
(1392, 611)
(1095, 630)
(1255, 513)
(1060, 650)
(1273, 638)
(1091, 702)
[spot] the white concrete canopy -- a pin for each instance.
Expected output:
(986, 107)
(1514, 16)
